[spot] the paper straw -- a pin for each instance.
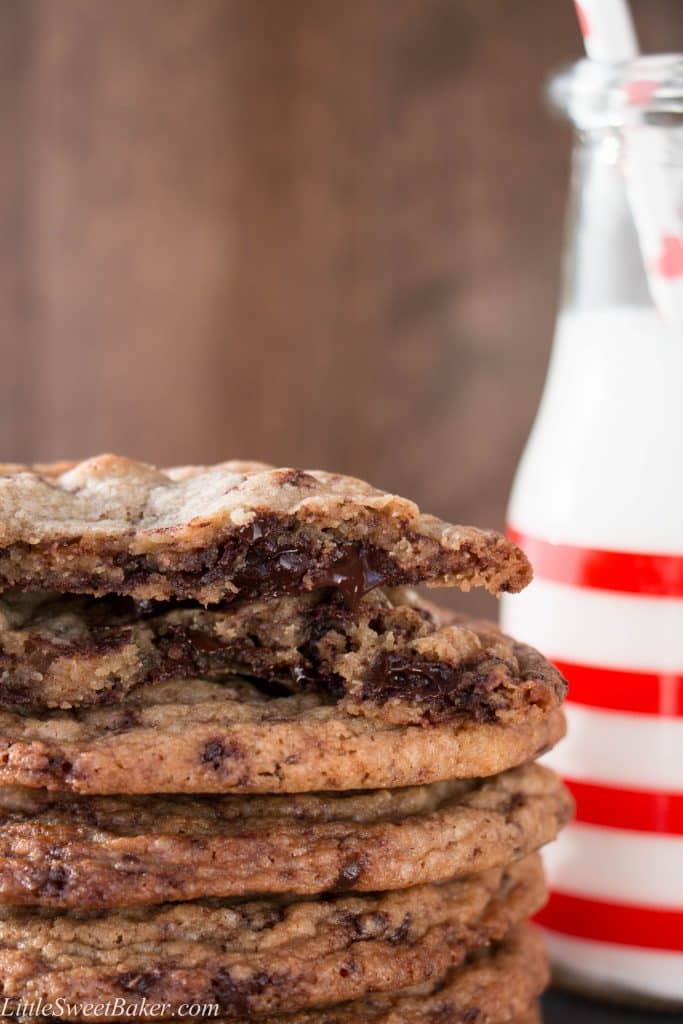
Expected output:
(654, 183)
(652, 173)
(607, 30)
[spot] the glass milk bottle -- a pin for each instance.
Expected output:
(598, 506)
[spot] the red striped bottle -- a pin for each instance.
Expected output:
(598, 506)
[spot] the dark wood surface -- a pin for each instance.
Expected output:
(298, 230)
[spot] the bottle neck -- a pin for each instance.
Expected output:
(602, 266)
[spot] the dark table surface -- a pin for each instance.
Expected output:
(563, 1008)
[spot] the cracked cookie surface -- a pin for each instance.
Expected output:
(111, 525)
(268, 956)
(495, 986)
(394, 657)
(95, 852)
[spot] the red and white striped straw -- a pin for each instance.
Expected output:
(607, 30)
(653, 181)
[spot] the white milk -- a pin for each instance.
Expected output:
(604, 463)
(603, 469)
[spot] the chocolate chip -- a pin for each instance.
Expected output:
(184, 652)
(216, 752)
(349, 874)
(57, 764)
(138, 982)
(237, 995)
(56, 881)
(355, 571)
(349, 969)
(514, 801)
(400, 934)
(272, 556)
(297, 478)
(125, 721)
(443, 691)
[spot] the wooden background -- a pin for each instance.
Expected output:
(318, 232)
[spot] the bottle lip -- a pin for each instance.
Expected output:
(648, 90)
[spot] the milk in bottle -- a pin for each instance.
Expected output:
(598, 505)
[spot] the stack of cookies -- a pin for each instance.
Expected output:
(247, 773)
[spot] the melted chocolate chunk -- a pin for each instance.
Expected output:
(198, 642)
(185, 652)
(445, 690)
(273, 556)
(277, 556)
(356, 571)
(327, 617)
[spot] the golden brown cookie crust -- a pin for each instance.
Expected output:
(269, 956)
(495, 986)
(98, 852)
(113, 525)
(235, 737)
(531, 1016)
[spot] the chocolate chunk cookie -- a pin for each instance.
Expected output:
(495, 986)
(103, 852)
(114, 526)
(498, 985)
(241, 736)
(394, 657)
(269, 956)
